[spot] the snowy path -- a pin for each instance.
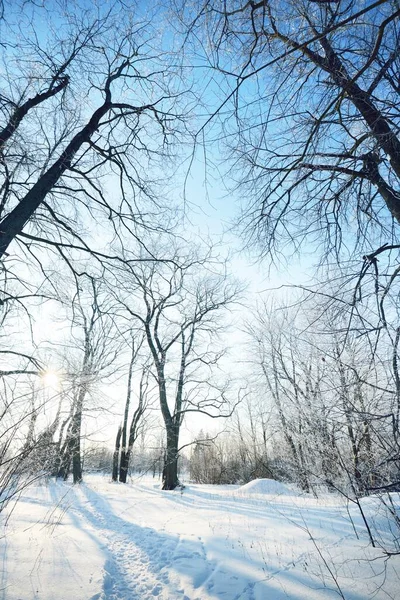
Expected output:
(144, 563)
(103, 541)
(137, 557)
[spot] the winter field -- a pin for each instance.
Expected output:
(106, 541)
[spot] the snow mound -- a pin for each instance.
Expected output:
(265, 486)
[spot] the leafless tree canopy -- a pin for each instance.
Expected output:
(309, 111)
(86, 104)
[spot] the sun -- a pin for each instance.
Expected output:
(50, 379)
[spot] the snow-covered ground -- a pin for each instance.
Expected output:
(105, 541)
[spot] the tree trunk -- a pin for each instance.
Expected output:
(170, 471)
(65, 454)
(76, 447)
(65, 462)
(124, 464)
(76, 462)
(116, 454)
(75, 440)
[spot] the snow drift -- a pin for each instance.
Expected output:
(265, 486)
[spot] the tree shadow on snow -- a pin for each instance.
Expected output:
(142, 563)
(281, 508)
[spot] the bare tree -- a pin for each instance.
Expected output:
(28, 422)
(84, 109)
(94, 335)
(127, 436)
(179, 311)
(215, 459)
(309, 109)
(334, 399)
